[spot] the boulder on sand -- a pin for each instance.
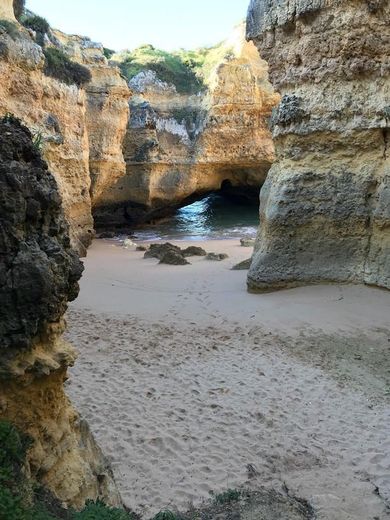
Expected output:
(194, 251)
(172, 257)
(159, 250)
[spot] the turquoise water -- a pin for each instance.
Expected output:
(214, 217)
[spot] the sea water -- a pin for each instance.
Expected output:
(214, 217)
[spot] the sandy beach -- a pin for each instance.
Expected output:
(191, 385)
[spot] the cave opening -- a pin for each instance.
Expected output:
(216, 214)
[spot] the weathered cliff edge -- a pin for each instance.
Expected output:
(39, 272)
(325, 206)
(180, 146)
(82, 129)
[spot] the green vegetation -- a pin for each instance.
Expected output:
(37, 139)
(59, 66)
(37, 24)
(108, 53)
(165, 515)
(10, 28)
(98, 510)
(189, 71)
(23, 499)
(230, 495)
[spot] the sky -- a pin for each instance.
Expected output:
(126, 24)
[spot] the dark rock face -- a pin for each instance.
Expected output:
(173, 258)
(159, 250)
(38, 269)
(194, 251)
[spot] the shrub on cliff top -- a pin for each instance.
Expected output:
(169, 67)
(37, 24)
(189, 70)
(59, 66)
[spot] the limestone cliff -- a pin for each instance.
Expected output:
(38, 275)
(80, 129)
(107, 112)
(180, 145)
(325, 207)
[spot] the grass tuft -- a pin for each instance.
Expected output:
(166, 515)
(230, 495)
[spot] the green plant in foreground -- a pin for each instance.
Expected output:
(24, 499)
(230, 495)
(99, 511)
(165, 515)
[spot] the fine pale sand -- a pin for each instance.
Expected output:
(192, 385)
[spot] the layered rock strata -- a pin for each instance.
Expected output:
(39, 273)
(325, 206)
(80, 129)
(178, 147)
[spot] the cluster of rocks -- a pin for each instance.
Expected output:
(168, 253)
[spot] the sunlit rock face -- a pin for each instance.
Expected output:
(180, 146)
(7, 10)
(39, 273)
(106, 112)
(81, 130)
(325, 206)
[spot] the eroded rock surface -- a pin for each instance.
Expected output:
(180, 146)
(325, 207)
(39, 274)
(80, 129)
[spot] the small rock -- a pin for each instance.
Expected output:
(247, 242)
(141, 248)
(243, 266)
(216, 256)
(194, 251)
(159, 250)
(173, 258)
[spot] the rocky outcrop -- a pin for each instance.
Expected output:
(80, 129)
(325, 206)
(39, 272)
(107, 112)
(180, 146)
